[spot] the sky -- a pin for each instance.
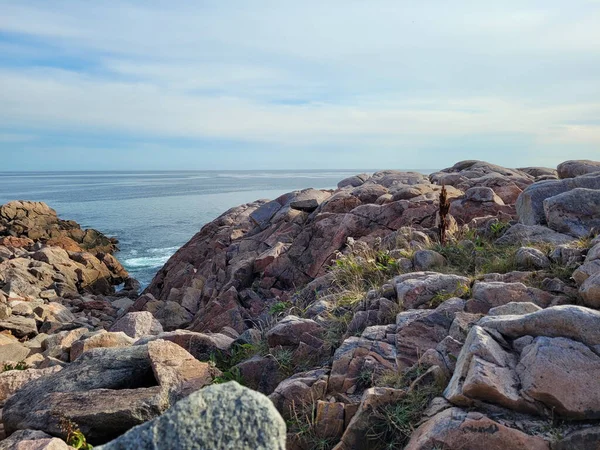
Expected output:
(311, 84)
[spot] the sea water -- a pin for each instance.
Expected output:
(152, 214)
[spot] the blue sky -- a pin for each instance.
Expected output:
(273, 84)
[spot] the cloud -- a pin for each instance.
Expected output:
(321, 75)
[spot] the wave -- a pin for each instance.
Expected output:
(153, 258)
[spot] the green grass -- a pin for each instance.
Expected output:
(21, 365)
(303, 424)
(394, 423)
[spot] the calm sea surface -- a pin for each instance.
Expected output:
(154, 213)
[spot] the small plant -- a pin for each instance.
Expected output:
(279, 308)
(394, 423)
(365, 378)
(21, 365)
(75, 437)
(232, 374)
(303, 424)
(285, 360)
(498, 228)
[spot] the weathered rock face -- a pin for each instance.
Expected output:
(270, 247)
(576, 212)
(220, 416)
(530, 204)
(455, 428)
(572, 169)
(115, 384)
(37, 221)
(518, 362)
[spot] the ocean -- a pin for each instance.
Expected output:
(153, 214)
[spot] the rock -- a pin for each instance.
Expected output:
(100, 340)
(292, 330)
(586, 439)
(177, 370)
(514, 309)
(217, 417)
(573, 393)
(299, 390)
(54, 312)
(374, 352)
(19, 326)
(530, 204)
(531, 258)
(593, 253)
(330, 421)
(570, 321)
(572, 169)
(137, 324)
(172, 316)
(458, 429)
(576, 212)
(357, 433)
(427, 260)
(419, 288)
(105, 391)
(487, 295)
(420, 330)
(260, 373)
(590, 291)
(32, 440)
(200, 346)
(353, 181)
(485, 372)
(13, 352)
(13, 380)
(521, 234)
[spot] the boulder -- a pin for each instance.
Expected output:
(353, 181)
(487, 295)
(585, 439)
(514, 309)
(521, 234)
(455, 428)
(137, 324)
(573, 393)
(32, 440)
(13, 352)
(217, 417)
(105, 391)
(530, 204)
(575, 212)
(373, 352)
(529, 258)
(292, 330)
(100, 340)
(19, 326)
(590, 291)
(260, 373)
(570, 321)
(417, 289)
(575, 168)
(13, 380)
(427, 260)
(300, 390)
(177, 370)
(200, 346)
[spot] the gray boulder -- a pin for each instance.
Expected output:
(575, 168)
(225, 416)
(531, 258)
(521, 234)
(530, 204)
(576, 212)
(106, 391)
(137, 324)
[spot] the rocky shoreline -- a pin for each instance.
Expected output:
(345, 320)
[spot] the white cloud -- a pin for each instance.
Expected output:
(343, 72)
